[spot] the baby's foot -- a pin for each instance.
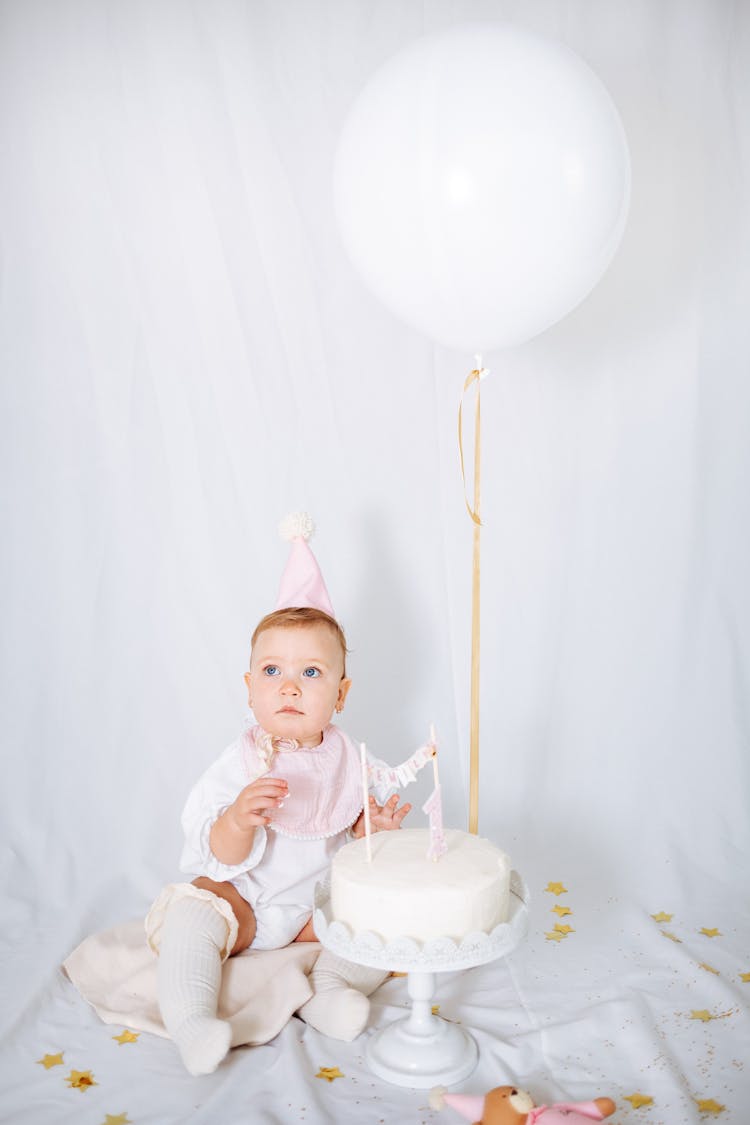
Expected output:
(340, 1013)
(203, 1042)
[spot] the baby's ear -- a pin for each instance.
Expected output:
(344, 686)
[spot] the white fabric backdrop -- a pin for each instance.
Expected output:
(187, 354)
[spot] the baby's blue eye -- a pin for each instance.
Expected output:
(271, 670)
(311, 673)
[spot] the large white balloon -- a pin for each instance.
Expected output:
(482, 182)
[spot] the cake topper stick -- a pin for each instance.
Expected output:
(433, 806)
(366, 800)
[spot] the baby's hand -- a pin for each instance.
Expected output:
(256, 801)
(385, 817)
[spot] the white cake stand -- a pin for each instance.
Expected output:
(422, 1049)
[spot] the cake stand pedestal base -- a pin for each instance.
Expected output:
(422, 1049)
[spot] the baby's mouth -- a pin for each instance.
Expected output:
(288, 711)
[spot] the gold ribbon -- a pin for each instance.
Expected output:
(473, 377)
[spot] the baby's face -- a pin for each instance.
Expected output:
(295, 681)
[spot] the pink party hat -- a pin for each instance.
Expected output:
(470, 1106)
(302, 583)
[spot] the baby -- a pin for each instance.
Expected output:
(263, 822)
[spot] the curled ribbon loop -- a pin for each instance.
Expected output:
(474, 376)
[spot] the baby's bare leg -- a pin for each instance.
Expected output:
(243, 911)
(307, 933)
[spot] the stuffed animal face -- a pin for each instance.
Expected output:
(506, 1105)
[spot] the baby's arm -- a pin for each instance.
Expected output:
(215, 792)
(232, 834)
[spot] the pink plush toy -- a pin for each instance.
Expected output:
(507, 1105)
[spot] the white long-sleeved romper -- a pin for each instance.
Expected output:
(286, 860)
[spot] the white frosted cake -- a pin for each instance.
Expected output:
(402, 893)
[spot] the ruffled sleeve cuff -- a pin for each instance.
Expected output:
(198, 859)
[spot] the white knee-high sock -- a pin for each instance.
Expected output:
(189, 978)
(339, 1007)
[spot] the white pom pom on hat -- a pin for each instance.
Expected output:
(470, 1106)
(436, 1097)
(297, 525)
(302, 584)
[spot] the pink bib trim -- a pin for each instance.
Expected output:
(325, 782)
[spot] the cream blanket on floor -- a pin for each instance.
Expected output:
(115, 971)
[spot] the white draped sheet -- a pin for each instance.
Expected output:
(186, 355)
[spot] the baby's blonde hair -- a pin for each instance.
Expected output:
(297, 617)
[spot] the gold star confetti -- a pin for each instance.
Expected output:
(711, 933)
(708, 1105)
(564, 929)
(329, 1073)
(561, 911)
(705, 1016)
(51, 1060)
(127, 1037)
(639, 1100)
(80, 1080)
(671, 936)
(708, 968)
(116, 1119)
(745, 977)
(556, 889)
(662, 917)
(555, 935)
